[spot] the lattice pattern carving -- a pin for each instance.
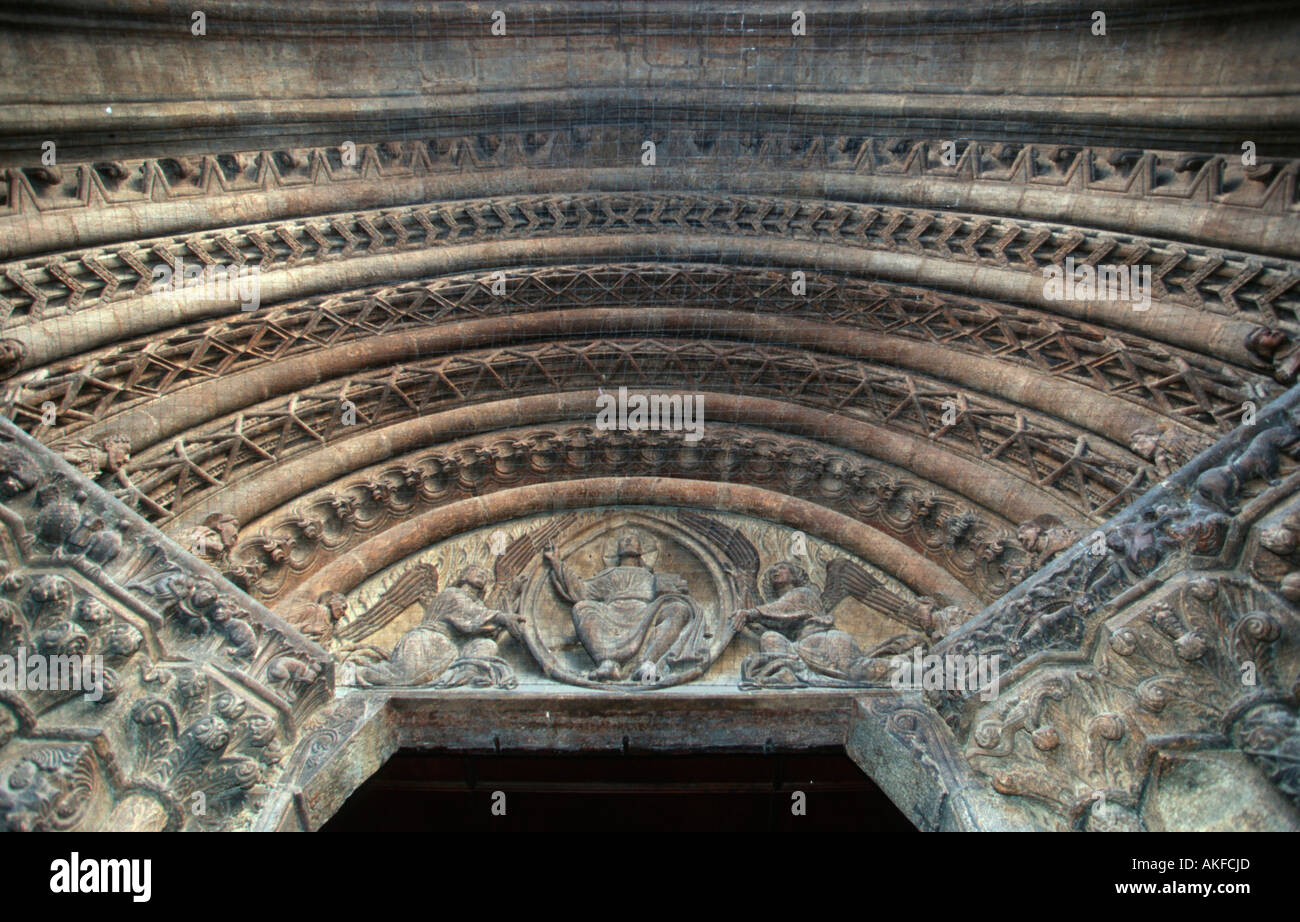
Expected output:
(1049, 455)
(1177, 384)
(1233, 284)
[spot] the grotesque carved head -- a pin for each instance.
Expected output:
(117, 448)
(93, 612)
(122, 641)
(11, 356)
(49, 589)
(1264, 341)
(1144, 443)
(1031, 534)
(18, 473)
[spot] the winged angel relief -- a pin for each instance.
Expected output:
(454, 644)
(636, 626)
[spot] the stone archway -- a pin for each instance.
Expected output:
(1008, 344)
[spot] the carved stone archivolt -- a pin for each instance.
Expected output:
(397, 448)
(973, 545)
(1192, 284)
(92, 389)
(1081, 471)
(235, 176)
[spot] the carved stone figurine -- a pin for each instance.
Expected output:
(95, 458)
(1045, 536)
(800, 645)
(630, 618)
(1166, 449)
(1219, 486)
(1274, 347)
(316, 621)
(453, 645)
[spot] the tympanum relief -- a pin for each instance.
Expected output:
(639, 599)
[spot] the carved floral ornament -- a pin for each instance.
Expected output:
(148, 685)
(286, 547)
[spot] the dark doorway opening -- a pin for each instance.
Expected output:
(418, 791)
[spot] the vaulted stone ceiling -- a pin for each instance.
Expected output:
(460, 242)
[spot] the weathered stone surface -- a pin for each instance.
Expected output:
(164, 697)
(1149, 642)
(840, 234)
